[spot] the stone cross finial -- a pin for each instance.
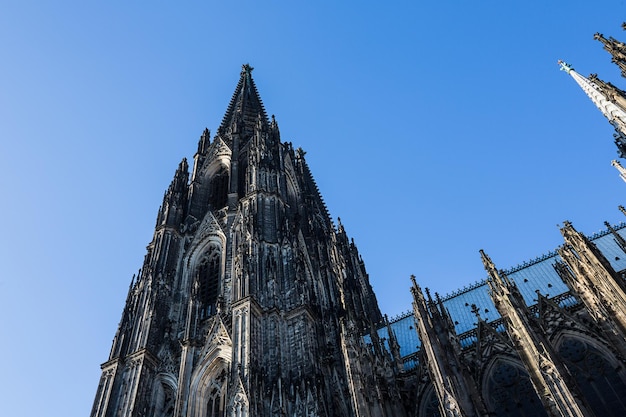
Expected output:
(246, 68)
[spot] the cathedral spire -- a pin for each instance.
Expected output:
(609, 99)
(245, 106)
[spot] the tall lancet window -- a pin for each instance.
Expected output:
(209, 279)
(219, 189)
(243, 170)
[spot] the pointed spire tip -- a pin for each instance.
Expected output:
(246, 68)
(564, 66)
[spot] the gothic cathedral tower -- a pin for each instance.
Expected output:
(250, 302)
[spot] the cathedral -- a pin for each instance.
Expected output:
(251, 301)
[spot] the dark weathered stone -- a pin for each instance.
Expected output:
(250, 301)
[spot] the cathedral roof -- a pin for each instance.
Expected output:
(245, 106)
(536, 274)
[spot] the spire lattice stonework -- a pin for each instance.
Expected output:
(600, 97)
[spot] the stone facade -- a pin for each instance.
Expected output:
(251, 302)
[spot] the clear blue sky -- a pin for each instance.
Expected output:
(433, 129)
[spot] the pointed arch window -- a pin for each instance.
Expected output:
(600, 383)
(164, 400)
(208, 276)
(210, 399)
(510, 392)
(216, 402)
(430, 404)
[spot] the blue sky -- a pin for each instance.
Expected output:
(433, 129)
